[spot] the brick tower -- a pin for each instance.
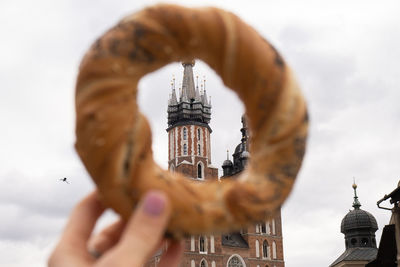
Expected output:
(189, 152)
(189, 148)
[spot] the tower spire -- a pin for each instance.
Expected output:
(356, 203)
(188, 88)
(187, 104)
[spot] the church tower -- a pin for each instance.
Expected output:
(189, 115)
(359, 227)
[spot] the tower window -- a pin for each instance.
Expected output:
(199, 171)
(198, 134)
(263, 228)
(202, 244)
(184, 149)
(265, 249)
(184, 133)
(199, 149)
(203, 263)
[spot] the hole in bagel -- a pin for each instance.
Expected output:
(154, 91)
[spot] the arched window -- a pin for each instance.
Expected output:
(198, 134)
(184, 149)
(199, 171)
(213, 264)
(235, 262)
(274, 250)
(198, 149)
(192, 264)
(265, 249)
(184, 133)
(203, 263)
(202, 244)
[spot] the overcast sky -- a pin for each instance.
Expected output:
(345, 55)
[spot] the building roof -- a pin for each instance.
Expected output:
(356, 254)
(358, 219)
(234, 240)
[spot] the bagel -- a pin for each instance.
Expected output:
(113, 138)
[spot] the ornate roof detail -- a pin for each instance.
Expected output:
(356, 203)
(191, 107)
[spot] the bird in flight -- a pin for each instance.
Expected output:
(64, 180)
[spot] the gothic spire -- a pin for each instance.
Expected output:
(173, 100)
(188, 89)
(204, 96)
(197, 93)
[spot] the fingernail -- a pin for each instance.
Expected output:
(94, 253)
(154, 203)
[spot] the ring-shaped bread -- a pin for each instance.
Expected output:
(114, 138)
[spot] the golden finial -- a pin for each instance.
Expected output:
(354, 183)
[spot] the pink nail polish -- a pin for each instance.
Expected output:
(154, 203)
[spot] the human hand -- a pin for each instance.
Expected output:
(121, 244)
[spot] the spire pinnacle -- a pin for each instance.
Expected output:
(356, 203)
(188, 88)
(227, 154)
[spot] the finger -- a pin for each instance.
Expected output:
(107, 238)
(144, 231)
(173, 256)
(82, 221)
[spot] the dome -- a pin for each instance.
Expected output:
(358, 219)
(227, 163)
(240, 148)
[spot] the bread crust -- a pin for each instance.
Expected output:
(113, 137)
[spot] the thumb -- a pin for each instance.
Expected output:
(144, 231)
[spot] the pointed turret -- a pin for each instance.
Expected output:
(188, 81)
(173, 99)
(204, 97)
(197, 93)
